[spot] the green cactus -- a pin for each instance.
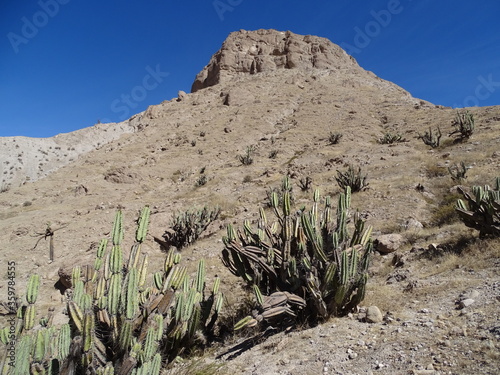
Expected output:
(464, 125)
(142, 228)
(351, 178)
(186, 227)
(481, 209)
(32, 290)
(431, 139)
(63, 342)
(319, 266)
(23, 351)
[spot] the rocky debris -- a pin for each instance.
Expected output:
(412, 223)
(64, 278)
(151, 113)
(120, 176)
(388, 243)
(237, 96)
(251, 52)
(465, 303)
(467, 299)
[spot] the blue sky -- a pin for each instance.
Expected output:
(65, 64)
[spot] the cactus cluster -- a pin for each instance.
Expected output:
(458, 172)
(390, 138)
(464, 125)
(431, 139)
(118, 323)
(285, 186)
(481, 209)
(247, 158)
(351, 178)
(186, 227)
(304, 265)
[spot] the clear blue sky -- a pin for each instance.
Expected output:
(65, 64)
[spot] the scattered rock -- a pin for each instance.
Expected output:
(465, 303)
(412, 223)
(64, 278)
(374, 315)
(388, 243)
(120, 176)
(473, 294)
(424, 372)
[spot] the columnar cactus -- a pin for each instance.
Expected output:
(304, 265)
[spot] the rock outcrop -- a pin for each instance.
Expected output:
(251, 52)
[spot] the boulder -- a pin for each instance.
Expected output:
(388, 243)
(181, 95)
(374, 315)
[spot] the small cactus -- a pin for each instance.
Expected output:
(187, 226)
(464, 125)
(481, 209)
(458, 172)
(334, 138)
(431, 139)
(351, 178)
(390, 138)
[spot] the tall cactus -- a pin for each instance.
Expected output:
(304, 265)
(464, 125)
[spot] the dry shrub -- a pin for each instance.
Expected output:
(445, 213)
(433, 170)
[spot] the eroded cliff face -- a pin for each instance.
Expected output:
(251, 52)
